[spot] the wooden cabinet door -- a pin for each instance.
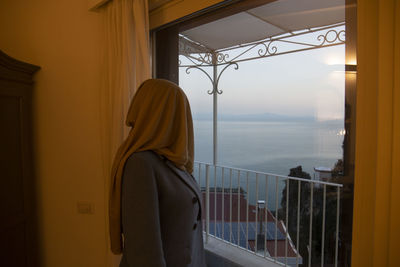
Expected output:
(18, 240)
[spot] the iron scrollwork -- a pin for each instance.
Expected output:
(331, 36)
(213, 82)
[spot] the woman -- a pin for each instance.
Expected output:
(155, 202)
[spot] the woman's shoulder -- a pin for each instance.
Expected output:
(142, 169)
(144, 158)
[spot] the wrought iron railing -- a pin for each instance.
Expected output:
(288, 220)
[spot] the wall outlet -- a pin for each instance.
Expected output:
(85, 207)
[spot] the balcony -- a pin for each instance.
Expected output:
(260, 219)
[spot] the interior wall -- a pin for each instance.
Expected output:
(63, 37)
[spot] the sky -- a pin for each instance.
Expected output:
(308, 83)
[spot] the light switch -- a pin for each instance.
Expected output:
(85, 207)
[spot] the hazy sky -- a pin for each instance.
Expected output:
(309, 83)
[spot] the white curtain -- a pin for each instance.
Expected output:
(126, 65)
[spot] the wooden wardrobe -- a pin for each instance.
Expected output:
(18, 223)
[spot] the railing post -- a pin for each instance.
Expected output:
(276, 220)
(223, 205)
(298, 223)
(215, 108)
(311, 223)
(323, 227)
(238, 210)
(287, 220)
(215, 201)
(256, 220)
(337, 225)
(207, 202)
(230, 205)
(266, 216)
(247, 211)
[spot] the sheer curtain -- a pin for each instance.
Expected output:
(126, 65)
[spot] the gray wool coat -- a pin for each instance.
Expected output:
(161, 214)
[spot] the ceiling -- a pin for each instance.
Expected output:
(153, 4)
(272, 19)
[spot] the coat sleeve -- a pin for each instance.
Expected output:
(140, 215)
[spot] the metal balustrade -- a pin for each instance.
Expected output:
(288, 220)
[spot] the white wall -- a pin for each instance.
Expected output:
(64, 39)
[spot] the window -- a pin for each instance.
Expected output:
(272, 87)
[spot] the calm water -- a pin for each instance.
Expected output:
(272, 147)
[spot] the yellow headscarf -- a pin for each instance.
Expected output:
(161, 121)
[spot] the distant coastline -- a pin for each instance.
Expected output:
(267, 117)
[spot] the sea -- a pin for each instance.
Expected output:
(267, 146)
